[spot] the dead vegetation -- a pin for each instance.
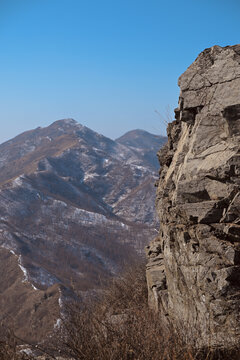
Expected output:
(119, 326)
(8, 346)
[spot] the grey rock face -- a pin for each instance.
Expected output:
(193, 271)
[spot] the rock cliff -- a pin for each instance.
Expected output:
(193, 270)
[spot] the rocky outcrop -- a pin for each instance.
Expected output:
(193, 271)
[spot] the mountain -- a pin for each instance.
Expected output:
(146, 144)
(75, 206)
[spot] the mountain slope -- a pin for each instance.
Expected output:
(31, 313)
(145, 143)
(74, 205)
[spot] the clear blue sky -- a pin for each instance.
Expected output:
(107, 64)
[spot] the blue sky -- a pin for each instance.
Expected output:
(107, 64)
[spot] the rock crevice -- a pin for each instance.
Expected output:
(193, 271)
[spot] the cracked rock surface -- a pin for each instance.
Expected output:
(193, 270)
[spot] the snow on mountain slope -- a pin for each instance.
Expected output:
(75, 206)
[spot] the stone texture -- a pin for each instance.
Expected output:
(193, 271)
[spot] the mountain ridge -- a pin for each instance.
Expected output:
(66, 206)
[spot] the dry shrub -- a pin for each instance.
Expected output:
(117, 326)
(120, 326)
(8, 346)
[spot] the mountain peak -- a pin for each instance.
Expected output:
(137, 132)
(69, 121)
(141, 139)
(65, 122)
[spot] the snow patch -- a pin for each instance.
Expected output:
(24, 270)
(90, 176)
(60, 302)
(106, 161)
(25, 279)
(27, 351)
(18, 181)
(57, 324)
(139, 167)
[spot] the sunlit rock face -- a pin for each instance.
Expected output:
(194, 264)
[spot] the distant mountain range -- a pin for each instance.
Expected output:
(74, 207)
